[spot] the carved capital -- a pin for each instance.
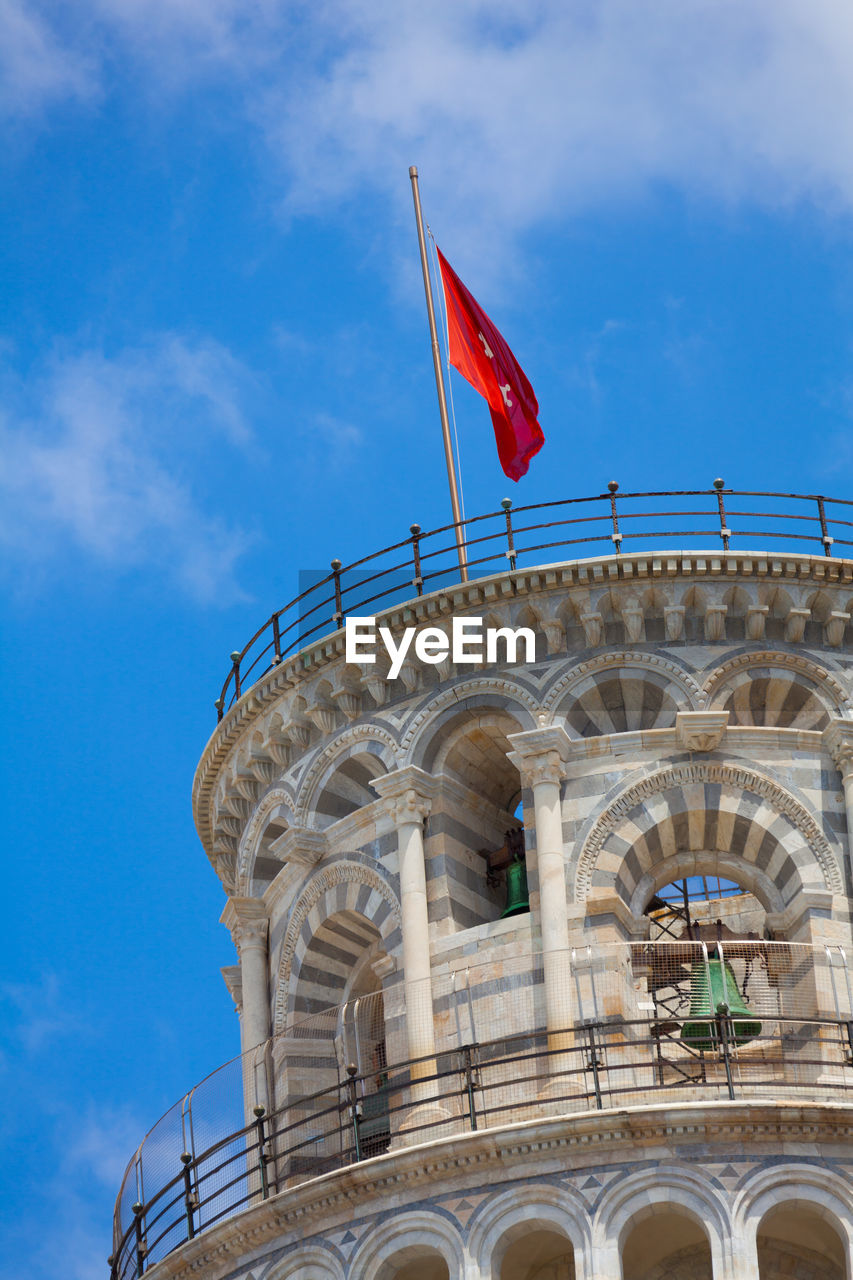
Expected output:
(700, 730)
(838, 741)
(408, 794)
(540, 755)
(248, 923)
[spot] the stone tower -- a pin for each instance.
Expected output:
(645, 1069)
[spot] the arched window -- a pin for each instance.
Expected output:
(797, 1240)
(666, 1244)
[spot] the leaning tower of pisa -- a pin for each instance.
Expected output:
(544, 947)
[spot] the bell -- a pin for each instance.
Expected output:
(704, 1003)
(517, 899)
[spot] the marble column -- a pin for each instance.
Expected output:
(540, 756)
(408, 794)
(248, 923)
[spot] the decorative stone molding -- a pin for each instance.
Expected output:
(593, 629)
(673, 621)
(795, 625)
(300, 845)
(553, 592)
(700, 730)
(233, 977)
(479, 687)
(685, 685)
(341, 746)
(834, 628)
(317, 887)
(252, 831)
(756, 618)
(834, 693)
(715, 623)
(705, 771)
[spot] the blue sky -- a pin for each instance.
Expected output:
(215, 373)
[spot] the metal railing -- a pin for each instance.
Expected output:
(608, 1065)
(638, 1035)
(426, 562)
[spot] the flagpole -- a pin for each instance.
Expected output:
(439, 383)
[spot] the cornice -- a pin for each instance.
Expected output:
(469, 1158)
(586, 580)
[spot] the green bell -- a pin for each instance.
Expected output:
(517, 899)
(724, 990)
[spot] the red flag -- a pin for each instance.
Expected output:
(482, 356)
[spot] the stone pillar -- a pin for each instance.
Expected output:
(838, 741)
(248, 923)
(408, 794)
(540, 756)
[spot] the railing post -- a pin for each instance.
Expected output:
(824, 532)
(235, 662)
(417, 581)
(138, 1210)
(593, 1062)
(354, 1107)
(276, 638)
(189, 1198)
(616, 536)
(259, 1113)
(339, 613)
(725, 1048)
(506, 503)
(470, 1086)
(725, 532)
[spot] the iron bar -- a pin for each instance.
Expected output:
(506, 503)
(725, 532)
(470, 1086)
(417, 581)
(189, 1199)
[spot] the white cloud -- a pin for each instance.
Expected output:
(37, 66)
(515, 115)
(105, 454)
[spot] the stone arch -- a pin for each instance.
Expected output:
(775, 689)
(706, 806)
(343, 887)
(403, 1239)
(603, 686)
(678, 1189)
(801, 1185)
(728, 866)
(371, 746)
(475, 749)
(275, 808)
(482, 694)
(509, 1215)
(307, 1262)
